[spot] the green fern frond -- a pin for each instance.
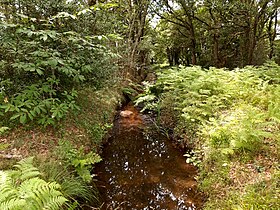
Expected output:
(13, 204)
(42, 195)
(23, 189)
(27, 169)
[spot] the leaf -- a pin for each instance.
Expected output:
(7, 107)
(23, 118)
(39, 71)
(30, 116)
(30, 33)
(3, 129)
(52, 62)
(15, 116)
(65, 15)
(43, 109)
(37, 109)
(60, 61)
(44, 37)
(82, 12)
(21, 188)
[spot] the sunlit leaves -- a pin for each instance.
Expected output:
(64, 15)
(229, 110)
(22, 188)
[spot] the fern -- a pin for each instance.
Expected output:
(72, 187)
(149, 97)
(25, 169)
(23, 189)
(228, 110)
(77, 158)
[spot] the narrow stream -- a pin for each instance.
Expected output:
(144, 171)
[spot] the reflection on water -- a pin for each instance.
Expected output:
(144, 171)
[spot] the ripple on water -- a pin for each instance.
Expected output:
(143, 171)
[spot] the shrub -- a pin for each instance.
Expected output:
(43, 64)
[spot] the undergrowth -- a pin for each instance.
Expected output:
(22, 188)
(232, 120)
(66, 155)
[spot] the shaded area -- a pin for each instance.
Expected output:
(144, 171)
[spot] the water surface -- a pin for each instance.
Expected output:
(145, 171)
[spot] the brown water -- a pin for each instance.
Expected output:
(144, 171)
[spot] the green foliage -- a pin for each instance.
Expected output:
(203, 33)
(32, 105)
(260, 195)
(128, 90)
(228, 117)
(269, 72)
(228, 109)
(242, 128)
(3, 129)
(98, 111)
(194, 157)
(44, 62)
(263, 195)
(98, 131)
(131, 91)
(149, 98)
(23, 189)
(74, 188)
(76, 158)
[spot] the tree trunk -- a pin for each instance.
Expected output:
(216, 50)
(169, 56)
(193, 40)
(272, 33)
(252, 42)
(176, 56)
(139, 12)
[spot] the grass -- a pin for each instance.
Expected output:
(83, 130)
(73, 187)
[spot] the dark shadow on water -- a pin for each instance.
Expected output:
(141, 170)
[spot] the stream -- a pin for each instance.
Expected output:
(143, 170)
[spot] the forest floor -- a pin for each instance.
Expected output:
(85, 128)
(77, 138)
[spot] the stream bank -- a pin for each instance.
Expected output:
(143, 170)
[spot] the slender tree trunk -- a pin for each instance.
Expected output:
(193, 50)
(176, 56)
(193, 41)
(169, 56)
(252, 42)
(216, 50)
(272, 33)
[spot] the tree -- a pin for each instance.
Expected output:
(47, 53)
(183, 17)
(224, 33)
(136, 21)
